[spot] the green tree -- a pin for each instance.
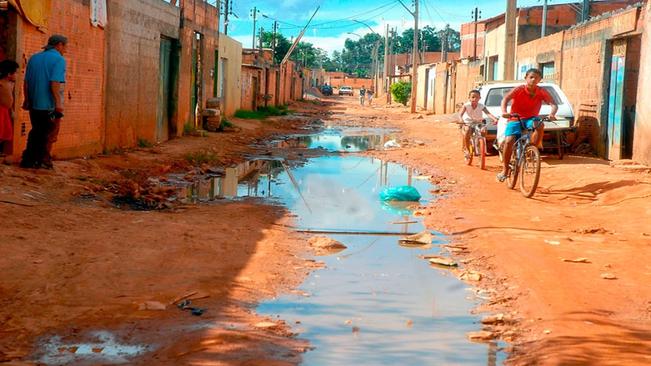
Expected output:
(401, 91)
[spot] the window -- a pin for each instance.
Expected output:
(548, 70)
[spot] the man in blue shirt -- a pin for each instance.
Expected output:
(45, 77)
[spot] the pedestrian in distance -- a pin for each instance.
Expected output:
(8, 70)
(369, 95)
(527, 100)
(45, 78)
(472, 112)
(362, 95)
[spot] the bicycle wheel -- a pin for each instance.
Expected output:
(481, 145)
(512, 179)
(529, 171)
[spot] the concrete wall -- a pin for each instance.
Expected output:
(421, 89)
(642, 138)
(133, 63)
(250, 97)
(466, 78)
(82, 128)
(495, 47)
(230, 51)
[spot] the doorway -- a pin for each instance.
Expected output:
(622, 94)
(8, 26)
(196, 95)
(168, 66)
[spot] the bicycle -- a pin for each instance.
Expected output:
(525, 159)
(477, 146)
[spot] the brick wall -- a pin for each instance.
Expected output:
(441, 96)
(133, 63)
(82, 128)
(642, 138)
(466, 79)
(249, 94)
(355, 83)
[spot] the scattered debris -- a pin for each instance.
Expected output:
(443, 261)
(494, 319)
(552, 242)
(266, 325)
(470, 276)
(480, 336)
(577, 260)
(391, 144)
(325, 246)
(608, 276)
(151, 305)
(424, 237)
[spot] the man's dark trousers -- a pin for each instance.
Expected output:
(36, 153)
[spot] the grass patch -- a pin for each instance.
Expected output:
(244, 114)
(144, 143)
(189, 128)
(201, 157)
(226, 123)
(263, 112)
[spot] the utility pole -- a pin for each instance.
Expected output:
(273, 41)
(585, 10)
(476, 14)
(444, 43)
(261, 32)
(226, 11)
(543, 31)
(385, 74)
(509, 41)
(254, 14)
(414, 54)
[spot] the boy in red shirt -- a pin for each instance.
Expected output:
(527, 100)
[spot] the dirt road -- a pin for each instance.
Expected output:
(566, 311)
(73, 263)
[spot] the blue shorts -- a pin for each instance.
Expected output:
(514, 128)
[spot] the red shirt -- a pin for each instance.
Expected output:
(527, 105)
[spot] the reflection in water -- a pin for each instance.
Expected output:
(376, 303)
(336, 141)
(103, 349)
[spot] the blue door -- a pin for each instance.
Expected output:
(615, 107)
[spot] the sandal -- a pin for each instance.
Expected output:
(501, 177)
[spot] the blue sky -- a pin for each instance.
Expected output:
(335, 19)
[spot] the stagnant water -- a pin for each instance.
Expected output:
(376, 303)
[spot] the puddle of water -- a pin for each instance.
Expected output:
(337, 140)
(376, 303)
(103, 349)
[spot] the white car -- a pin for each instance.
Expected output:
(345, 90)
(493, 93)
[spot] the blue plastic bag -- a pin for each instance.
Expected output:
(402, 193)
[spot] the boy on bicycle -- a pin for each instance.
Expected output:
(473, 111)
(527, 100)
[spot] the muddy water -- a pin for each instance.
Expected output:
(375, 303)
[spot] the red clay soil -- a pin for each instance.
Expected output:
(73, 263)
(564, 311)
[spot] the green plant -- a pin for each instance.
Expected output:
(188, 128)
(244, 114)
(201, 157)
(401, 91)
(144, 143)
(226, 123)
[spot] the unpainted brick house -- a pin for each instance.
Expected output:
(138, 70)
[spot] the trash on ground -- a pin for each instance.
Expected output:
(424, 237)
(494, 319)
(401, 193)
(577, 260)
(324, 245)
(470, 276)
(479, 336)
(552, 242)
(391, 144)
(151, 305)
(442, 261)
(266, 325)
(608, 276)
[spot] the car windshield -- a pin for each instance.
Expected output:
(495, 96)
